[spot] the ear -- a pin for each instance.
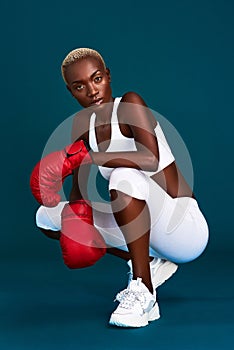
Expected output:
(108, 74)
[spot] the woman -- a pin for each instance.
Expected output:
(153, 220)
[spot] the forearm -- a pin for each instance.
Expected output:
(79, 183)
(142, 160)
(75, 194)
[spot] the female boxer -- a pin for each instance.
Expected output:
(153, 220)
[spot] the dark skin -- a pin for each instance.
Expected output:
(89, 82)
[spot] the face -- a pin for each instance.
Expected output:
(89, 82)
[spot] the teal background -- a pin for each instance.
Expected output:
(179, 56)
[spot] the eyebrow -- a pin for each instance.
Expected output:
(91, 76)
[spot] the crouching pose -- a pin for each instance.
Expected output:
(153, 220)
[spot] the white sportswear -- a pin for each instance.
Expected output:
(121, 143)
(179, 231)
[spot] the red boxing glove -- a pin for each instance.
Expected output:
(82, 245)
(48, 175)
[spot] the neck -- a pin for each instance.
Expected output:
(103, 115)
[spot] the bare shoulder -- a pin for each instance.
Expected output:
(80, 125)
(134, 107)
(133, 97)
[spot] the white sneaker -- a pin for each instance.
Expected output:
(137, 306)
(160, 270)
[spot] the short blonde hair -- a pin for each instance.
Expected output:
(78, 54)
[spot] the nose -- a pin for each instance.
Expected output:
(92, 90)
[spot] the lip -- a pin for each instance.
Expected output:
(97, 102)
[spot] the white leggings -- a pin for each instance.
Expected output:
(179, 231)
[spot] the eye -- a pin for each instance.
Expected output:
(98, 79)
(79, 87)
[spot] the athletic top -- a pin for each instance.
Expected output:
(121, 143)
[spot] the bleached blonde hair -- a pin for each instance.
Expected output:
(78, 54)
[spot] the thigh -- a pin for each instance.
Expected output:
(181, 233)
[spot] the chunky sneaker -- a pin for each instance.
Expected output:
(137, 306)
(160, 270)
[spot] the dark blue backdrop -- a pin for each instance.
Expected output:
(177, 54)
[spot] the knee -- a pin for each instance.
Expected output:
(130, 182)
(43, 224)
(50, 218)
(41, 217)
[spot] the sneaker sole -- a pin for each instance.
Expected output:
(163, 273)
(125, 321)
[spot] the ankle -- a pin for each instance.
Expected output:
(147, 282)
(149, 286)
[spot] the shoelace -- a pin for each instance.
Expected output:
(128, 297)
(121, 295)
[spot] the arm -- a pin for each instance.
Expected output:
(134, 113)
(80, 174)
(79, 183)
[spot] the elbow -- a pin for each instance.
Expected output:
(152, 163)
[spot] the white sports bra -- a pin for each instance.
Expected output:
(121, 143)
